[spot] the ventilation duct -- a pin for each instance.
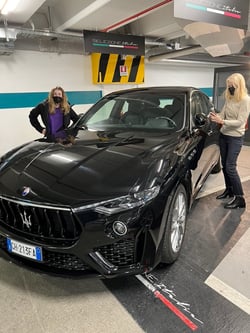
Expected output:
(6, 48)
(7, 34)
(217, 40)
(7, 39)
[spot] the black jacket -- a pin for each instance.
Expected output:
(42, 109)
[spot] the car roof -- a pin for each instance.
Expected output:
(159, 89)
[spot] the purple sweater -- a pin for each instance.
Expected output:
(56, 123)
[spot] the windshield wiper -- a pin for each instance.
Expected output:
(130, 140)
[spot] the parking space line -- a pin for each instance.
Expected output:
(154, 289)
(229, 293)
(231, 277)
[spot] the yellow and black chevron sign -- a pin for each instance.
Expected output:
(113, 68)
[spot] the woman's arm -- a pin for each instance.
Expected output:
(73, 115)
(33, 117)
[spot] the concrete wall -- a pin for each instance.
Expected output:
(26, 72)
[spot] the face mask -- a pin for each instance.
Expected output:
(57, 99)
(231, 90)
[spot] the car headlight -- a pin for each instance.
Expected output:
(127, 202)
(123, 203)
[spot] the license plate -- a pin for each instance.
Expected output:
(25, 250)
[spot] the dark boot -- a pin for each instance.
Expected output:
(237, 202)
(226, 194)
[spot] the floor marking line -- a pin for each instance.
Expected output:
(229, 293)
(167, 303)
(176, 311)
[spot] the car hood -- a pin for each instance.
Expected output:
(96, 166)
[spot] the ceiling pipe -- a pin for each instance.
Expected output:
(65, 35)
(154, 42)
(177, 53)
(135, 16)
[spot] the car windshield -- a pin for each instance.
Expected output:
(147, 112)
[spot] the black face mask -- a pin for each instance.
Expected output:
(57, 99)
(231, 90)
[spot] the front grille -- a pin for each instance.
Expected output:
(46, 225)
(120, 254)
(65, 261)
(51, 259)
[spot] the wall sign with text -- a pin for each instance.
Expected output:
(105, 42)
(229, 13)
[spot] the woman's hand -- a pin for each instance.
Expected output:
(214, 117)
(44, 131)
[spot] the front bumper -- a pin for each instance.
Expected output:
(83, 243)
(107, 261)
(89, 254)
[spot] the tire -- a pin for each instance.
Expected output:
(176, 217)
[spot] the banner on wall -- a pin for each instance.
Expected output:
(114, 68)
(106, 42)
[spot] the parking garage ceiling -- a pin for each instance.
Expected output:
(57, 26)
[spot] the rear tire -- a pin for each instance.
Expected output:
(176, 211)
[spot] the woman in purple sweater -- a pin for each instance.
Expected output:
(56, 115)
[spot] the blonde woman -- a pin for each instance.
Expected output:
(56, 115)
(232, 119)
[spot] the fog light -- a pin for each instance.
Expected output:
(120, 228)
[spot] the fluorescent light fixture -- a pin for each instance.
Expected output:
(8, 6)
(2, 2)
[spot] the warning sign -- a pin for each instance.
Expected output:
(112, 68)
(123, 71)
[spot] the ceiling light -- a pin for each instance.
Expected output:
(2, 3)
(8, 6)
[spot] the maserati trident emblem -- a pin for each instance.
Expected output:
(26, 219)
(25, 191)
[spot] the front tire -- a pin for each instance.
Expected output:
(176, 217)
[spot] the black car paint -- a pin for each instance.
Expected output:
(99, 166)
(93, 173)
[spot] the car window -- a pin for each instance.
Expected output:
(200, 104)
(205, 104)
(103, 114)
(139, 111)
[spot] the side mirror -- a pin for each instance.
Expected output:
(200, 120)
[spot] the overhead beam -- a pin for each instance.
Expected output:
(97, 4)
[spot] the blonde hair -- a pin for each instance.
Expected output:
(238, 82)
(65, 107)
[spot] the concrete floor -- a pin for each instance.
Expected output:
(231, 278)
(36, 303)
(209, 284)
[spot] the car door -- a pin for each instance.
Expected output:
(206, 137)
